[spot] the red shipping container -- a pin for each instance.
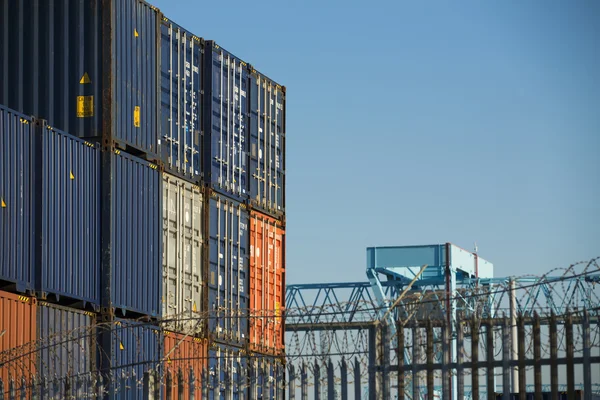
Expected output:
(267, 284)
(185, 354)
(18, 315)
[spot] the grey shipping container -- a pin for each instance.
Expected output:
(228, 281)
(89, 68)
(18, 247)
(225, 122)
(70, 266)
(135, 242)
(183, 242)
(67, 345)
(267, 144)
(181, 99)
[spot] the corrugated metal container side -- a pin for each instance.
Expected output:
(17, 343)
(183, 242)
(267, 144)
(67, 342)
(186, 356)
(135, 348)
(225, 119)
(227, 372)
(18, 245)
(88, 67)
(267, 284)
(136, 235)
(267, 378)
(181, 100)
(70, 264)
(228, 280)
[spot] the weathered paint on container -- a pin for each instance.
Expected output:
(136, 235)
(17, 344)
(67, 349)
(228, 280)
(89, 68)
(267, 377)
(267, 144)
(70, 193)
(226, 126)
(267, 284)
(227, 372)
(182, 255)
(186, 356)
(135, 348)
(181, 100)
(18, 245)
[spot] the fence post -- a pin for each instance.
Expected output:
(553, 356)
(506, 356)
(148, 385)
(303, 382)
(416, 353)
(344, 373)
(460, 370)
(400, 356)
(429, 355)
(168, 386)
(385, 373)
(537, 356)
(180, 385)
(446, 359)
(587, 366)
(357, 385)
(570, 356)
(522, 358)
(330, 381)
(373, 347)
(317, 376)
(292, 382)
(475, 358)
(491, 389)
(192, 384)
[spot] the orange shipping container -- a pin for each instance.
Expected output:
(267, 284)
(185, 353)
(18, 316)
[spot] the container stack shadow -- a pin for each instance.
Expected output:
(142, 208)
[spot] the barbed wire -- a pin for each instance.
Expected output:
(70, 348)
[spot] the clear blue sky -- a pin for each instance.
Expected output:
(413, 123)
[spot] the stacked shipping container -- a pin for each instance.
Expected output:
(166, 128)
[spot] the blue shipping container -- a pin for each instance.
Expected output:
(134, 349)
(267, 144)
(136, 235)
(18, 247)
(267, 378)
(227, 373)
(228, 281)
(89, 68)
(225, 118)
(70, 264)
(181, 99)
(67, 349)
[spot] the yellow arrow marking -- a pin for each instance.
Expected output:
(3, 204)
(194, 309)
(85, 79)
(135, 33)
(71, 175)
(121, 347)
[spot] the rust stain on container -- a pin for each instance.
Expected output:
(267, 284)
(185, 354)
(17, 337)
